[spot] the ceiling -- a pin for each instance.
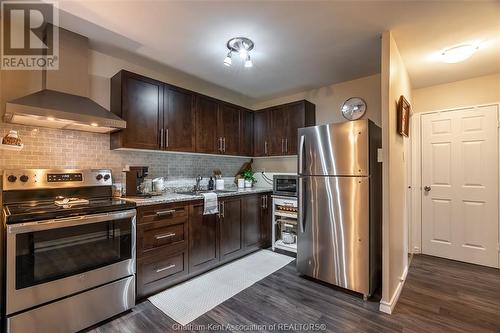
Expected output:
(299, 45)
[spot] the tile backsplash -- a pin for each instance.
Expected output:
(54, 148)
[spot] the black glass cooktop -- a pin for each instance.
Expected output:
(47, 209)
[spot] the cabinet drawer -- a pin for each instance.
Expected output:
(162, 235)
(162, 266)
(173, 213)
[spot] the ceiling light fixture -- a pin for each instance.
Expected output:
(241, 46)
(227, 60)
(458, 53)
(248, 62)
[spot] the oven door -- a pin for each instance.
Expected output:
(47, 260)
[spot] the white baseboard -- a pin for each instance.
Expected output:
(388, 307)
(416, 250)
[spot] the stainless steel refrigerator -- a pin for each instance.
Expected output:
(340, 205)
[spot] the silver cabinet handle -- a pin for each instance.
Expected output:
(286, 146)
(282, 146)
(221, 210)
(265, 147)
(220, 144)
(427, 188)
(165, 268)
(224, 144)
(165, 212)
(166, 138)
(161, 138)
(263, 201)
(172, 234)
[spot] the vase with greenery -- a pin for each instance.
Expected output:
(249, 177)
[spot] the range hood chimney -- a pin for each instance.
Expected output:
(63, 100)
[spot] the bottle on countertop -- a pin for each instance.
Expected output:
(211, 184)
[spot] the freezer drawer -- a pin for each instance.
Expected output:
(334, 149)
(333, 236)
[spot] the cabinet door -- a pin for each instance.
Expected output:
(203, 239)
(278, 123)
(142, 108)
(228, 128)
(246, 133)
(265, 220)
(295, 116)
(260, 133)
(251, 221)
(206, 125)
(179, 120)
(230, 229)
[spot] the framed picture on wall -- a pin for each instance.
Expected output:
(403, 116)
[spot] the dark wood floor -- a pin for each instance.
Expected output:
(439, 296)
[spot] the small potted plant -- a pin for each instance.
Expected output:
(248, 175)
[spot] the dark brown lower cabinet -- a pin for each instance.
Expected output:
(252, 227)
(176, 241)
(230, 228)
(265, 221)
(203, 239)
(162, 247)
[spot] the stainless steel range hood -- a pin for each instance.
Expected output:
(62, 101)
(50, 108)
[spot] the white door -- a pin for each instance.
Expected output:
(460, 185)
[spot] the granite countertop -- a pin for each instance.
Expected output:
(170, 197)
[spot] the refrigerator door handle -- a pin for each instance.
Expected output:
(302, 142)
(301, 205)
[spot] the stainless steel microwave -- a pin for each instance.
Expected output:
(285, 185)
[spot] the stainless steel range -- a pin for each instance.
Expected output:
(70, 254)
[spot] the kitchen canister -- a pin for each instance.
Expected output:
(219, 184)
(241, 183)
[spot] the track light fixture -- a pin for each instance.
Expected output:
(241, 46)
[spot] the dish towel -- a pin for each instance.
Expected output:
(210, 203)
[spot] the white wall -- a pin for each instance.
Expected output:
(328, 101)
(394, 83)
(475, 91)
(103, 66)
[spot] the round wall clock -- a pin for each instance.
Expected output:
(354, 108)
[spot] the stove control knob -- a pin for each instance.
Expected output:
(12, 178)
(107, 176)
(24, 178)
(98, 177)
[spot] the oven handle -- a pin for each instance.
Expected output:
(69, 221)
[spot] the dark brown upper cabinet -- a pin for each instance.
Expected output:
(228, 129)
(217, 127)
(260, 138)
(246, 132)
(275, 128)
(139, 101)
(161, 116)
(178, 132)
(206, 125)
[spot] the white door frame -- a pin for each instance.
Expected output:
(416, 174)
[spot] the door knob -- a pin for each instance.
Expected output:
(427, 188)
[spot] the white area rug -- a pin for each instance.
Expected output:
(191, 299)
